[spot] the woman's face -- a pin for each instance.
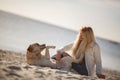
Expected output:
(82, 36)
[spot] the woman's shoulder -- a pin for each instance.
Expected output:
(94, 44)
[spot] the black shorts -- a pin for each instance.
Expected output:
(80, 68)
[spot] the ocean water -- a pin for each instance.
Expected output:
(17, 33)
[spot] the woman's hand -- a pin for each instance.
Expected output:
(101, 76)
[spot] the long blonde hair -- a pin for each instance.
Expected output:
(80, 46)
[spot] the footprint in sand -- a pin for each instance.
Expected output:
(14, 67)
(40, 74)
(27, 67)
(13, 74)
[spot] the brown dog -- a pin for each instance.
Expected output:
(34, 56)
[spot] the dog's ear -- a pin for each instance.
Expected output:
(37, 44)
(30, 48)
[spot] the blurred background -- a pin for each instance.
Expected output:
(102, 15)
(57, 22)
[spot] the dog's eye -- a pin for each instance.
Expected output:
(30, 49)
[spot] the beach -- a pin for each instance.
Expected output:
(18, 32)
(13, 66)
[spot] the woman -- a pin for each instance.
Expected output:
(86, 53)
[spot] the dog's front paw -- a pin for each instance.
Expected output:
(53, 47)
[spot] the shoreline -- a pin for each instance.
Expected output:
(13, 66)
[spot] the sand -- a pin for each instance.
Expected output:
(13, 66)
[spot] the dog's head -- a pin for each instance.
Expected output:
(34, 52)
(36, 48)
